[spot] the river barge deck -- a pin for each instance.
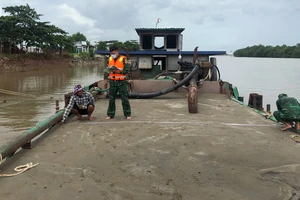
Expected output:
(225, 151)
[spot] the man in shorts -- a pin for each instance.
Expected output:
(81, 103)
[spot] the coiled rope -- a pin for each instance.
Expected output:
(19, 170)
(296, 138)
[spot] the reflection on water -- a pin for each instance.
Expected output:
(49, 81)
(20, 113)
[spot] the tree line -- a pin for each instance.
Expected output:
(131, 45)
(283, 51)
(21, 28)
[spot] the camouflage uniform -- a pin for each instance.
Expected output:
(121, 88)
(288, 109)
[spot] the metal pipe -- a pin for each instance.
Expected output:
(22, 140)
(13, 145)
(166, 90)
(170, 73)
(213, 60)
(57, 106)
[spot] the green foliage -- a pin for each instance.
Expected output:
(92, 54)
(22, 25)
(269, 51)
(131, 45)
(78, 37)
(102, 45)
(84, 55)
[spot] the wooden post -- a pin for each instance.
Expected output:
(57, 106)
(221, 87)
(193, 97)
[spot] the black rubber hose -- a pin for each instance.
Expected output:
(164, 74)
(166, 90)
(169, 73)
(217, 71)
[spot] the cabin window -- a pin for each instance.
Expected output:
(147, 42)
(171, 41)
(159, 42)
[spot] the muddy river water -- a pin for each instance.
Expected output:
(20, 112)
(266, 76)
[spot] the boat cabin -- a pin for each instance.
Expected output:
(160, 50)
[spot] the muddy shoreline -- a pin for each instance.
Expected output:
(34, 63)
(31, 65)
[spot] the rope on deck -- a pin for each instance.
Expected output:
(296, 138)
(19, 170)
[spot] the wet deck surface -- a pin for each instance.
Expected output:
(226, 151)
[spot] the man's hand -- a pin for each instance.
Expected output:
(116, 70)
(80, 106)
(62, 122)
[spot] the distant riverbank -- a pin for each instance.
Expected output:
(261, 51)
(34, 62)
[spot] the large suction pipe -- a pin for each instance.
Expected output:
(166, 90)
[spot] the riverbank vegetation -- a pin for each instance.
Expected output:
(23, 35)
(33, 56)
(83, 55)
(131, 45)
(283, 51)
(21, 28)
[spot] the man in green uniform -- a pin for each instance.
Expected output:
(288, 111)
(117, 68)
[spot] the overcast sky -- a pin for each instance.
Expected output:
(210, 24)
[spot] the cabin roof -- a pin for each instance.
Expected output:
(158, 30)
(162, 52)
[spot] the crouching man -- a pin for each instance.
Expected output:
(288, 111)
(81, 103)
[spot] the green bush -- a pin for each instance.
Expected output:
(92, 54)
(84, 55)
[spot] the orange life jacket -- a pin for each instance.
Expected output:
(120, 65)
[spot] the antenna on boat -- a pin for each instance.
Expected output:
(179, 55)
(158, 21)
(179, 60)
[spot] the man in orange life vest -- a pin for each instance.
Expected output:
(118, 68)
